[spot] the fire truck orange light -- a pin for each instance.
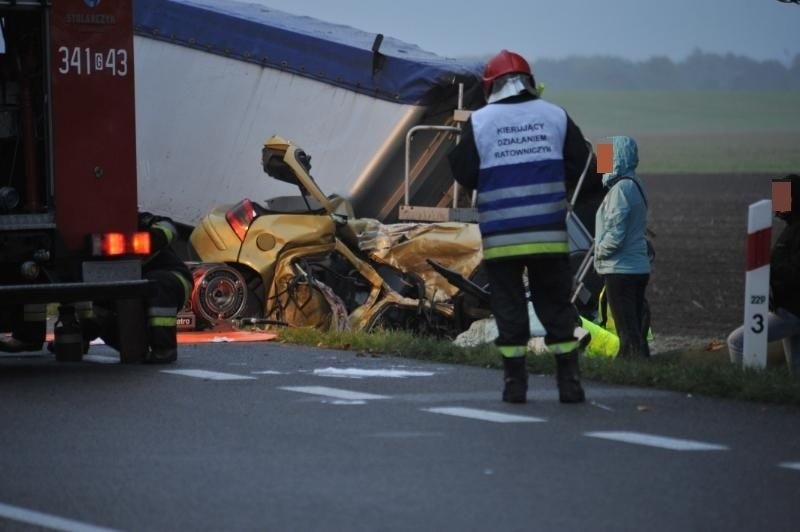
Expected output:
(140, 243)
(114, 244)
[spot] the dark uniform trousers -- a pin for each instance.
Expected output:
(550, 284)
(167, 296)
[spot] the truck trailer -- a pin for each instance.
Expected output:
(220, 77)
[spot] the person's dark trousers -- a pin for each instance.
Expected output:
(163, 302)
(550, 282)
(626, 300)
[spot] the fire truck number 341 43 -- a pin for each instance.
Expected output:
(85, 61)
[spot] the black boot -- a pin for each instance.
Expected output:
(163, 345)
(515, 388)
(161, 355)
(568, 376)
(10, 344)
(90, 329)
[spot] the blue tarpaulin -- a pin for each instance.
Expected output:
(330, 53)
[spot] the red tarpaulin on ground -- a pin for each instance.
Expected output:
(202, 337)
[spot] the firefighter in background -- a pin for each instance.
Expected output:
(171, 288)
(521, 153)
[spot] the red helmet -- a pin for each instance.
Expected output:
(501, 64)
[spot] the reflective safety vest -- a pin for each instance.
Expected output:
(521, 195)
(603, 343)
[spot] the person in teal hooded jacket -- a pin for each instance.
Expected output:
(621, 253)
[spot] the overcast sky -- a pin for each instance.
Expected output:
(633, 29)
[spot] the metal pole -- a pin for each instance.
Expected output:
(409, 137)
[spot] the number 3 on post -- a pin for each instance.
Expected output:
(759, 225)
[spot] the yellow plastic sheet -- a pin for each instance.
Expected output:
(603, 343)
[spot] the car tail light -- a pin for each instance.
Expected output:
(240, 216)
(116, 244)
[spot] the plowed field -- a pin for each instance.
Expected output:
(696, 289)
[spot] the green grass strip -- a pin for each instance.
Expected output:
(691, 372)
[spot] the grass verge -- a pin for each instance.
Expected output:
(695, 371)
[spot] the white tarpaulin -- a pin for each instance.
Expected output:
(215, 79)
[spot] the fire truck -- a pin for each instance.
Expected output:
(68, 179)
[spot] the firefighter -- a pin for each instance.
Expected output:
(521, 153)
(171, 288)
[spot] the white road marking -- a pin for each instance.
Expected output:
(651, 440)
(208, 375)
(790, 465)
(484, 415)
(101, 359)
(407, 435)
(358, 373)
(601, 406)
(336, 393)
(53, 522)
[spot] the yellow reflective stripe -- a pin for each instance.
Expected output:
(562, 347)
(513, 351)
(162, 321)
(187, 286)
(84, 309)
(167, 228)
(34, 312)
(525, 249)
(525, 237)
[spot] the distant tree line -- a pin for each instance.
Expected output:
(700, 70)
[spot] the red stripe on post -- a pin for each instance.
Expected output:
(758, 248)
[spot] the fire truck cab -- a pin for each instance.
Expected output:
(68, 190)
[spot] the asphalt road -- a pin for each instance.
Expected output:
(276, 437)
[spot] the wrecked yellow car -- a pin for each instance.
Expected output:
(307, 260)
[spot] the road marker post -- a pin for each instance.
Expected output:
(756, 290)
